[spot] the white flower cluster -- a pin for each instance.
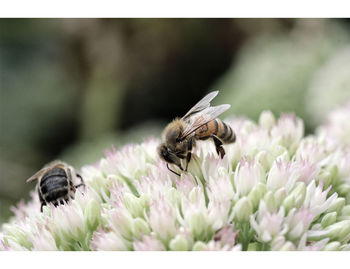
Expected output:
(274, 190)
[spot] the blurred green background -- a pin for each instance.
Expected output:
(70, 88)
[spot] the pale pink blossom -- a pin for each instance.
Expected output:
(247, 175)
(148, 243)
(162, 219)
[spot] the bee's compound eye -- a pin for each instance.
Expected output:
(165, 151)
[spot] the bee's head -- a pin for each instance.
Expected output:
(166, 154)
(169, 156)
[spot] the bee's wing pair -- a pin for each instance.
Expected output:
(38, 174)
(202, 113)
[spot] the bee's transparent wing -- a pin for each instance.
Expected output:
(55, 163)
(43, 170)
(201, 105)
(36, 175)
(199, 119)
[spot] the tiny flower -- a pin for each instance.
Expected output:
(220, 189)
(212, 166)
(162, 219)
(306, 171)
(289, 129)
(341, 160)
(269, 200)
(199, 219)
(149, 243)
(313, 246)
(252, 140)
(337, 127)
(257, 194)
(279, 196)
(296, 197)
(140, 228)
(281, 174)
(121, 221)
(108, 241)
(247, 175)
(267, 120)
(316, 199)
(16, 235)
(11, 245)
(92, 214)
(265, 158)
(68, 222)
(43, 241)
(298, 222)
(226, 236)
(312, 149)
(179, 243)
(288, 246)
(199, 246)
(129, 162)
(151, 185)
(135, 205)
(269, 225)
(186, 183)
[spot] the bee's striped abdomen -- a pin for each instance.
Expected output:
(225, 132)
(54, 186)
(218, 128)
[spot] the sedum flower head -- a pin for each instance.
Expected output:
(274, 190)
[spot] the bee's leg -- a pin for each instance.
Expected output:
(81, 180)
(42, 205)
(42, 201)
(188, 158)
(189, 153)
(218, 145)
(167, 165)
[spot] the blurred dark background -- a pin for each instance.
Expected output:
(70, 88)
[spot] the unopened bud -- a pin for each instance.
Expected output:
(288, 246)
(269, 199)
(289, 203)
(265, 159)
(339, 231)
(257, 194)
(267, 119)
(345, 211)
(243, 209)
(332, 246)
(336, 206)
(92, 214)
(329, 219)
(325, 177)
(343, 189)
(279, 196)
(199, 246)
(134, 204)
(140, 228)
(179, 243)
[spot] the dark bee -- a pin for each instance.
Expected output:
(56, 183)
(199, 123)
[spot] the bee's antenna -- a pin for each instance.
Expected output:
(167, 165)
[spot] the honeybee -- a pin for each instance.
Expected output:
(56, 183)
(199, 123)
